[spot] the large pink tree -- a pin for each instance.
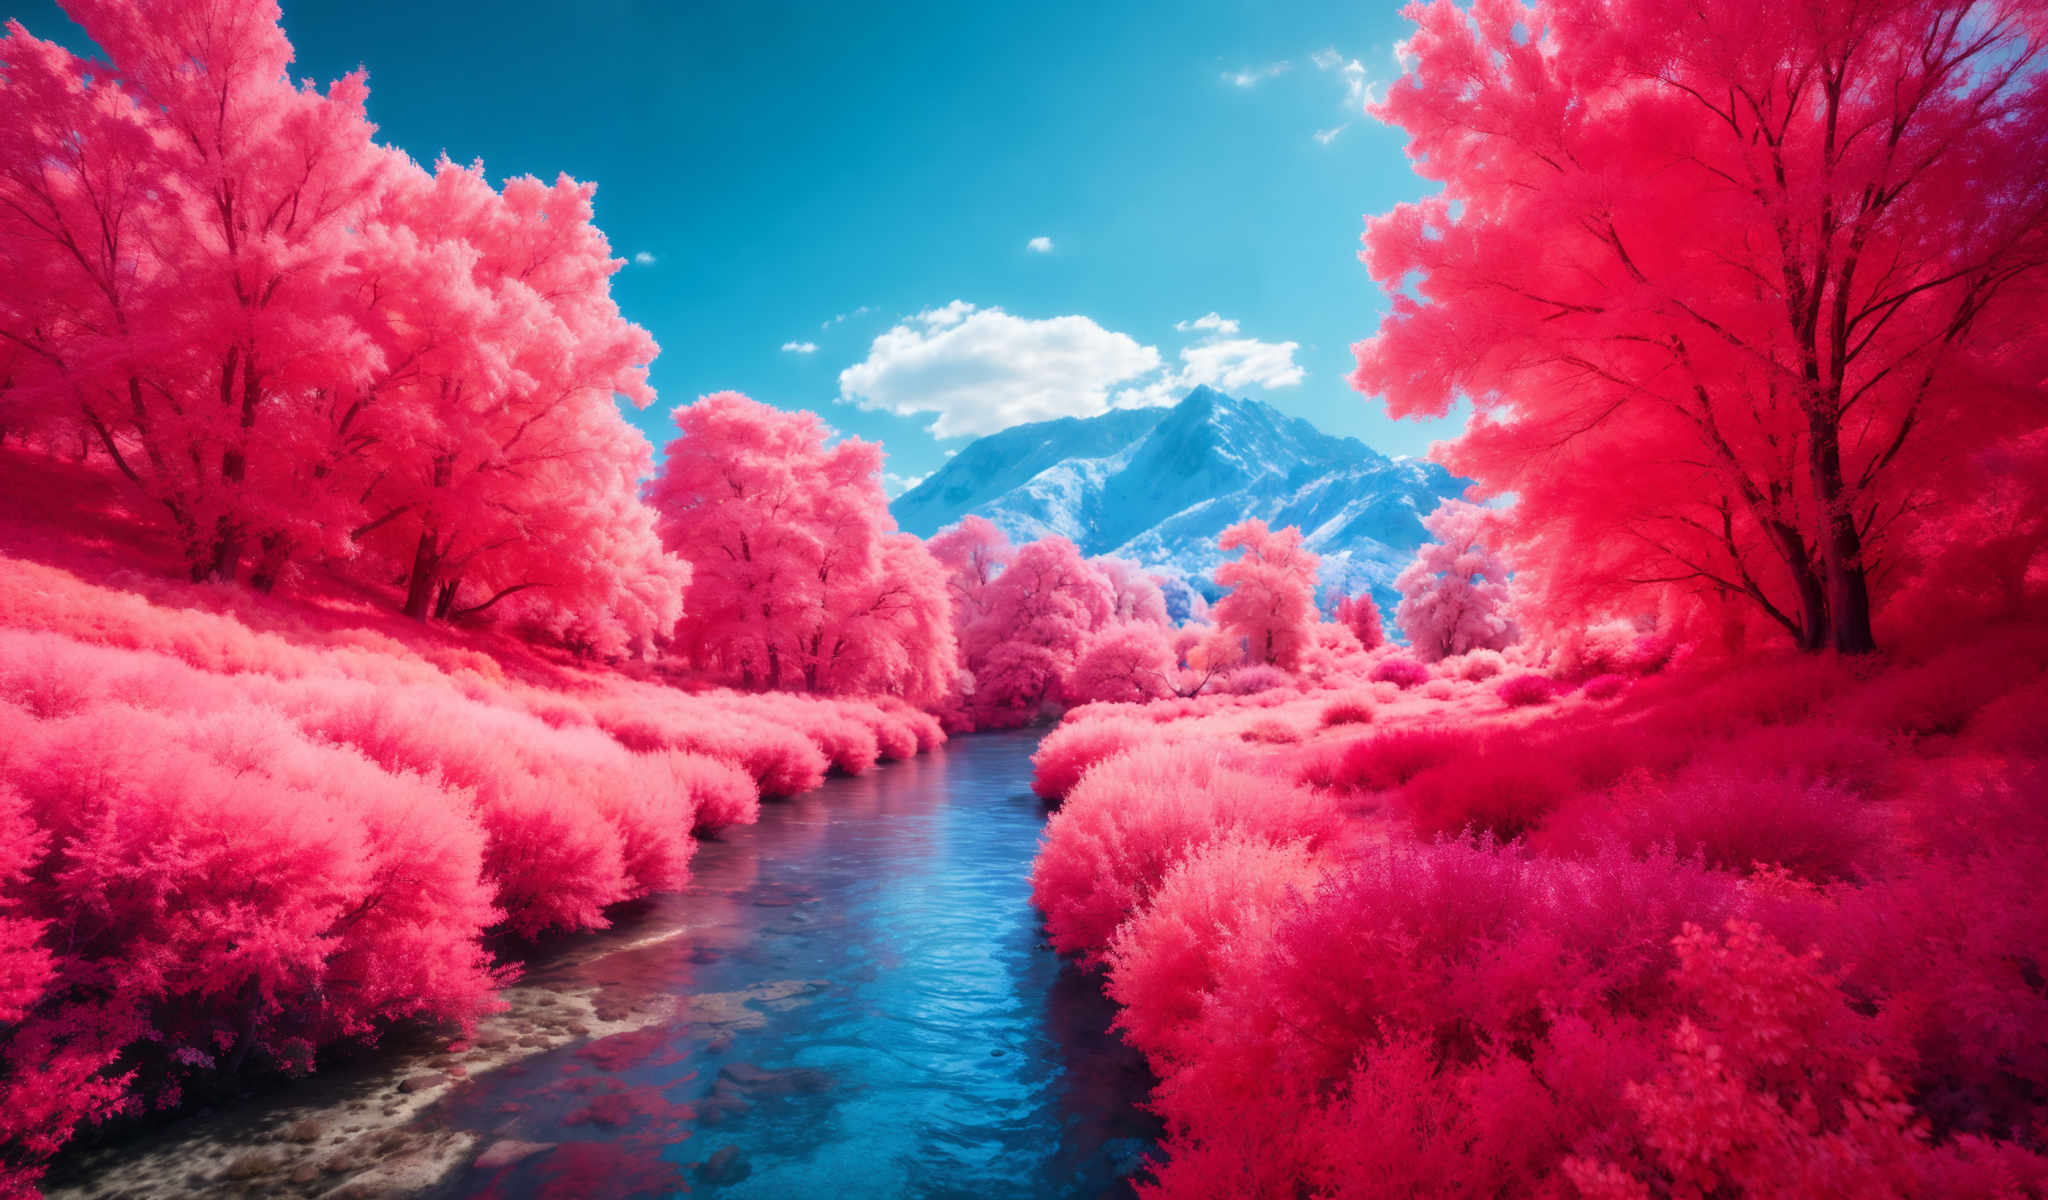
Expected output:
(1270, 612)
(501, 466)
(799, 578)
(1725, 283)
(177, 226)
(1038, 615)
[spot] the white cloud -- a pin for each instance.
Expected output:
(1211, 322)
(1325, 136)
(1358, 90)
(645, 258)
(1039, 245)
(1222, 360)
(862, 311)
(894, 485)
(799, 347)
(1234, 364)
(979, 370)
(1252, 77)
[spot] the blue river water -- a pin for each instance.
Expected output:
(876, 1014)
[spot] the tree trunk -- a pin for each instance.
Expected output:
(277, 553)
(426, 576)
(1812, 633)
(444, 603)
(223, 557)
(1841, 545)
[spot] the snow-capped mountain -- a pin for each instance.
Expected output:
(1158, 485)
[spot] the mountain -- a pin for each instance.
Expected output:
(1157, 485)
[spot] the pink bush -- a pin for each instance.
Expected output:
(1401, 671)
(1351, 710)
(1254, 679)
(1067, 753)
(1604, 687)
(1496, 789)
(1521, 691)
(1393, 756)
(1134, 817)
(1167, 958)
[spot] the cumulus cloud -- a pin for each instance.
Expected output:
(1234, 364)
(1222, 360)
(799, 347)
(1251, 77)
(645, 258)
(1039, 245)
(1211, 323)
(978, 370)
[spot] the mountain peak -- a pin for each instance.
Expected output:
(1158, 486)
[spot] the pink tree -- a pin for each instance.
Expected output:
(1270, 611)
(1129, 662)
(1135, 594)
(182, 223)
(973, 553)
(1454, 596)
(1040, 611)
(1361, 616)
(1726, 284)
(799, 578)
(502, 466)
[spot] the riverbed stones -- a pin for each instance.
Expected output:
(420, 1083)
(725, 1166)
(506, 1151)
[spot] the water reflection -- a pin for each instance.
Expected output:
(870, 1012)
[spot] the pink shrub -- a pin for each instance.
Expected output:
(1254, 679)
(717, 793)
(1270, 731)
(1401, 671)
(1521, 691)
(1169, 956)
(1134, 817)
(1066, 753)
(1476, 666)
(1495, 789)
(1351, 710)
(1392, 757)
(1604, 687)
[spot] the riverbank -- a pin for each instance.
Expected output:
(242, 834)
(851, 997)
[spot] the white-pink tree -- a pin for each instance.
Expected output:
(1454, 596)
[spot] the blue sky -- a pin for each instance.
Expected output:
(867, 181)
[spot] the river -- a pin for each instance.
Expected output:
(852, 999)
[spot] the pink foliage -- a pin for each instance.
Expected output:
(1361, 616)
(1454, 596)
(1400, 671)
(1270, 608)
(799, 580)
(1066, 754)
(1126, 662)
(1131, 819)
(296, 345)
(1521, 691)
